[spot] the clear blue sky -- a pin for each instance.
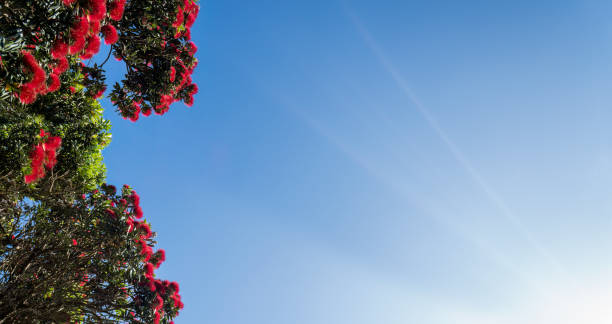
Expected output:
(394, 162)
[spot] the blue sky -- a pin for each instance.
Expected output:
(385, 162)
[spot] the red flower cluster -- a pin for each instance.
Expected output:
(163, 288)
(82, 40)
(110, 34)
(161, 297)
(151, 261)
(36, 85)
(43, 155)
(116, 9)
(180, 73)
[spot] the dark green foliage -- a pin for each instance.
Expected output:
(63, 260)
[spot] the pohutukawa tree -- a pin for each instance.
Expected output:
(72, 248)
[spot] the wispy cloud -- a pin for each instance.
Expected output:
(454, 149)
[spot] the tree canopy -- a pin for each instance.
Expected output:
(73, 248)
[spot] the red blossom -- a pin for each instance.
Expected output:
(162, 257)
(189, 101)
(116, 9)
(99, 93)
(180, 16)
(135, 198)
(61, 66)
(192, 48)
(146, 229)
(98, 9)
(149, 269)
(43, 155)
(77, 45)
(175, 286)
(27, 94)
(93, 46)
(110, 34)
(172, 73)
(138, 212)
(152, 286)
(78, 32)
(39, 75)
(135, 115)
(94, 26)
(193, 14)
(130, 222)
(55, 83)
(60, 49)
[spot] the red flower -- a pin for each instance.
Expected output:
(68, 2)
(50, 147)
(135, 198)
(148, 268)
(80, 28)
(175, 286)
(98, 9)
(60, 49)
(27, 94)
(99, 93)
(51, 159)
(43, 155)
(130, 222)
(84, 281)
(152, 285)
(189, 101)
(93, 46)
(94, 26)
(39, 76)
(116, 9)
(172, 73)
(74, 242)
(110, 34)
(191, 17)
(146, 112)
(161, 259)
(77, 46)
(135, 115)
(146, 229)
(53, 143)
(29, 178)
(78, 32)
(55, 83)
(193, 48)
(138, 212)
(61, 66)
(180, 16)
(194, 89)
